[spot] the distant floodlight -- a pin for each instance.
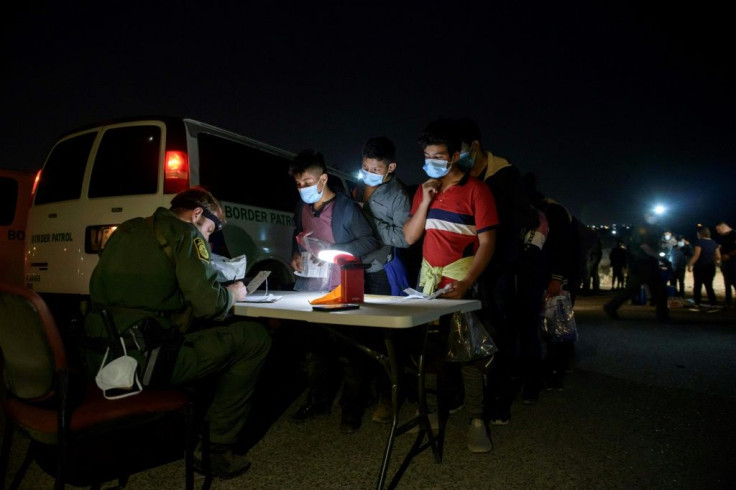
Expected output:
(659, 209)
(613, 232)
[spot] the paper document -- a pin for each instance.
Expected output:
(414, 294)
(261, 298)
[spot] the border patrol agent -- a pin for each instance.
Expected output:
(155, 279)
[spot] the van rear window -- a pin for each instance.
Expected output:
(245, 175)
(127, 162)
(8, 200)
(61, 178)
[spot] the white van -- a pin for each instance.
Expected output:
(15, 197)
(96, 177)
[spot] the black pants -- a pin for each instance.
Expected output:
(618, 276)
(678, 280)
(703, 275)
(729, 278)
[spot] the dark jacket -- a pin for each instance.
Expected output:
(561, 250)
(350, 228)
(514, 211)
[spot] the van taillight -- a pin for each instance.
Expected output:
(176, 174)
(35, 183)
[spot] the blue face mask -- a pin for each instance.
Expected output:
(311, 195)
(465, 162)
(436, 169)
(371, 179)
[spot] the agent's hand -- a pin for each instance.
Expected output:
(237, 289)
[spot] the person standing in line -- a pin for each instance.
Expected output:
(519, 356)
(386, 205)
(456, 215)
(728, 258)
(706, 256)
(329, 219)
(561, 259)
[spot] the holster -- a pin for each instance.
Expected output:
(161, 349)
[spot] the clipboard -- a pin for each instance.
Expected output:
(256, 282)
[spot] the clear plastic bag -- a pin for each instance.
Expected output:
(316, 274)
(557, 321)
(229, 270)
(468, 339)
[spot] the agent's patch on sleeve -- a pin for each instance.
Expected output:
(201, 247)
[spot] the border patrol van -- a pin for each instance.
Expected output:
(96, 177)
(15, 197)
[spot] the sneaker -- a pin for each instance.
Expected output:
(384, 411)
(224, 464)
(479, 438)
(308, 411)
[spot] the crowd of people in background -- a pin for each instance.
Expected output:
(658, 261)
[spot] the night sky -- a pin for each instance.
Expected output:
(614, 107)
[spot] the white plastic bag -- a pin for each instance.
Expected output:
(229, 269)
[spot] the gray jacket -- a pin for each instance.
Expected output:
(387, 210)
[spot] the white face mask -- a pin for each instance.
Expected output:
(118, 374)
(371, 179)
(667, 236)
(311, 194)
(435, 168)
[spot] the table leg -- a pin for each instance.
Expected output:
(433, 441)
(391, 364)
(393, 372)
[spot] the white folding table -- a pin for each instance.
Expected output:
(389, 313)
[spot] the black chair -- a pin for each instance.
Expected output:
(77, 435)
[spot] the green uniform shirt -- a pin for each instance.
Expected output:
(135, 273)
